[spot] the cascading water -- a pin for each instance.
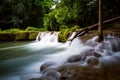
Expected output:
(68, 42)
(92, 53)
(47, 37)
(51, 57)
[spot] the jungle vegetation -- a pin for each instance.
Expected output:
(53, 15)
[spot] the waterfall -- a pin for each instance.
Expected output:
(68, 42)
(47, 37)
(91, 53)
(109, 46)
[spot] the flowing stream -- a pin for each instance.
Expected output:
(23, 61)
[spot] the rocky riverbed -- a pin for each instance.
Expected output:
(101, 62)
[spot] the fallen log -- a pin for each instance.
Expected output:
(85, 30)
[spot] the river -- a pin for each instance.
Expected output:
(22, 60)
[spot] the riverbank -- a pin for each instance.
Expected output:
(19, 36)
(31, 35)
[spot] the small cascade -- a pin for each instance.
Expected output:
(68, 42)
(112, 43)
(47, 37)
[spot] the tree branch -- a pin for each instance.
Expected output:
(88, 28)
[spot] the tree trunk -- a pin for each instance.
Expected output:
(100, 28)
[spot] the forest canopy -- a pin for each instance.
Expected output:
(54, 14)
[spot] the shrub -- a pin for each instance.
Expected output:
(34, 29)
(31, 29)
(50, 22)
(13, 31)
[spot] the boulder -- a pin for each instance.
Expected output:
(93, 61)
(96, 54)
(52, 73)
(86, 53)
(74, 58)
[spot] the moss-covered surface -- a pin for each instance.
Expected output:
(65, 33)
(7, 36)
(19, 36)
(33, 35)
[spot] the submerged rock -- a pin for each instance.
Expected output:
(46, 65)
(81, 57)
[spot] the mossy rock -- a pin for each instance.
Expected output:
(65, 33)
(22, 36)
(33, 35)
(19, 36)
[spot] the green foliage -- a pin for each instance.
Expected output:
(23, 13)
(13, 31)
(34, 29)
(31, 29)
(38, 13)
(79, 12)
(71, 12)
(65, 33)
(50, 22)
(33, 35)
(72, 26)
(66, 15)
(58, 17)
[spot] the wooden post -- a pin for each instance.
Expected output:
(100, 28)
